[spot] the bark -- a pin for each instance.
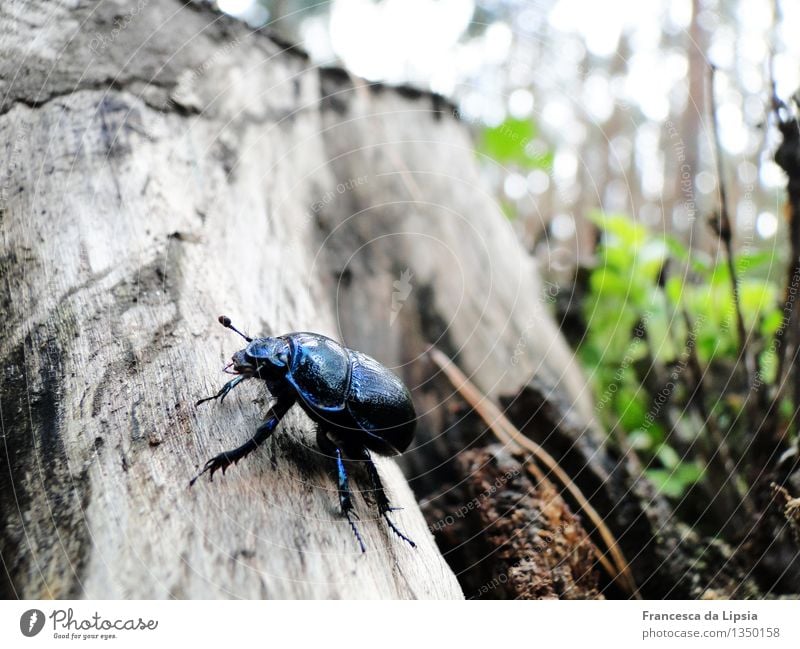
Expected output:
(524, 542)
(160, 170)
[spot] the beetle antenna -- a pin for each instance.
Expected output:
(225, 321)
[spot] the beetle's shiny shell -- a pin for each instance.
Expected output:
(351, 392)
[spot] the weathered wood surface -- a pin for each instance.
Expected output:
(155, 175)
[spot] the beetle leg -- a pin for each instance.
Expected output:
(224, 391)
(345, 495)
(346, 498)
(263, 433)
(381, 499)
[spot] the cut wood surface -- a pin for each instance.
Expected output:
(155, 176)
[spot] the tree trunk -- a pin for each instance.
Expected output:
(161, 164)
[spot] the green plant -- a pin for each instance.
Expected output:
(654, 312)
(511, 142)
(515, 144)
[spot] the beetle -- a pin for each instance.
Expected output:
(360, 407)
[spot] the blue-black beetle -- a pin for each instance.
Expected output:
(358, 404)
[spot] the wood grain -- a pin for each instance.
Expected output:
(154, 178)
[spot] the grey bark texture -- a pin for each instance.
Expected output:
(160, 170)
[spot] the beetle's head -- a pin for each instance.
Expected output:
(241, 365)
(263, 357)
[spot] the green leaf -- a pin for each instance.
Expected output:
(756, 296)
(630, 404)
(769, 365)
(697, 260)
(747, 262)
(707, 345)
(674, 482)
(673, 287)
(509, 210)
(619, 229)
(720, 274)
(772, 320)
(668, 456)
(640, 440)
(510, 142)
(606, 282)
(676, 248)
